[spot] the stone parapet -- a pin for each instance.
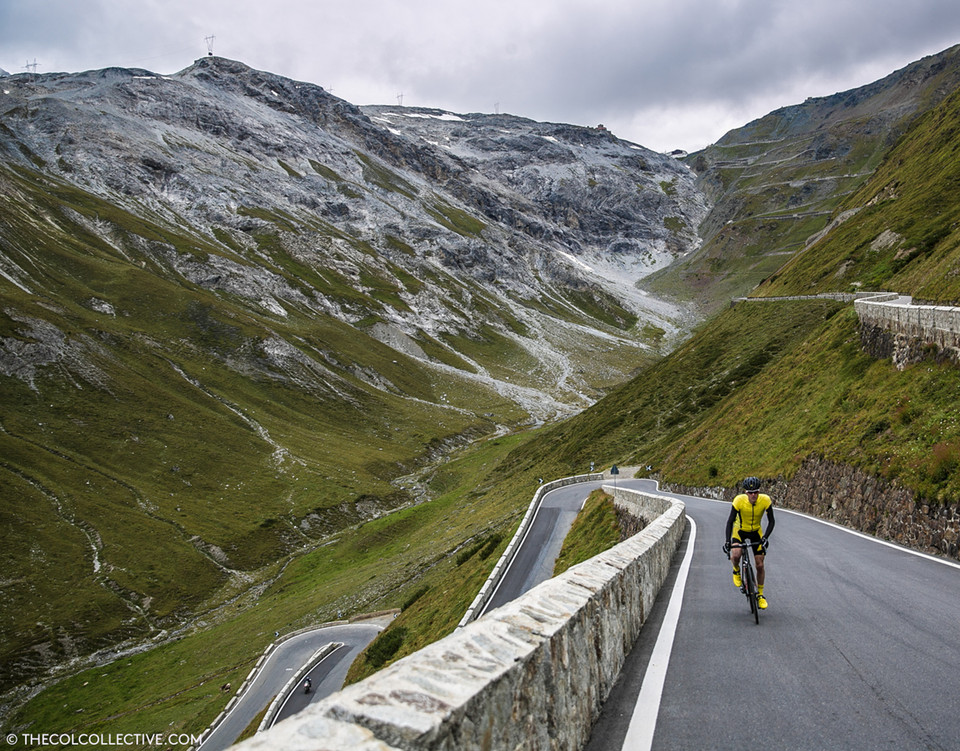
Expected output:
(891, 326)
(532, 674)
(837, 296)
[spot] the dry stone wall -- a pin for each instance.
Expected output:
(856, 499)
(532, 674)
(859, 500)
(892, 327)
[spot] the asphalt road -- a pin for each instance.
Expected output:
(283, 663)
(859, 649)
(534, 560)
(328, 676)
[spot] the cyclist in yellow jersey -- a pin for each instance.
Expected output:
(746, 513)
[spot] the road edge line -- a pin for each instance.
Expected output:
(643, 722)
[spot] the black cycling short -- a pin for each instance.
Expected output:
(743, 536)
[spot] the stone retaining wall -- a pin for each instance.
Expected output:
(856, 499)
(892, 327)
(532, 674)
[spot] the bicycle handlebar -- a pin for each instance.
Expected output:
(748, 544)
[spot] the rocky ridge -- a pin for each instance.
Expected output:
(498, 206)
(240, 315)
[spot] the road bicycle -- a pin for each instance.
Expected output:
(747, 576)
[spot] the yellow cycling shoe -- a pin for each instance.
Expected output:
(762, 602)
(737, 581)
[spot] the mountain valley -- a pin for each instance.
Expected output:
(270, 359)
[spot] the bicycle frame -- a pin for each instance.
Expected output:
(748, 576)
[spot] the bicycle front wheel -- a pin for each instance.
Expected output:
(750, 587)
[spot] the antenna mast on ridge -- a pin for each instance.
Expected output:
(400, 99)
(32, 67)
(209, 41)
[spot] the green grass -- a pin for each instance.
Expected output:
(757, 390)
(385, 646)
(673, 395)
(378, 174)
(675, 224)
(378, 564)
(455, 220)
(602, 307)
(508, 359)
(288, 169)
(325, 171)
(595, 529)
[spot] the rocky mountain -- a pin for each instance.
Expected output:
(551, 216)
(239, 313)
(618, 210)
(775, 184)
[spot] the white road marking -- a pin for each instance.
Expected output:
(644, 720)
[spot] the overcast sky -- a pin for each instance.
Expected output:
(663, 73)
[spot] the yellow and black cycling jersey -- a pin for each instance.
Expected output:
(748, 516)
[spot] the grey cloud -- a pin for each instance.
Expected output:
(575, 61)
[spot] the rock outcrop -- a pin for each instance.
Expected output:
(849, 496)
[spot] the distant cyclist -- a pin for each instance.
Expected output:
(743, 524)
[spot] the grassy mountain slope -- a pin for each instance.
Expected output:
(777, 182)
(446, 547)
(237, 316)
(154, 452)
(901, 230)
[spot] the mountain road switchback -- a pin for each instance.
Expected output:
(284, 662)
(859, 647)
